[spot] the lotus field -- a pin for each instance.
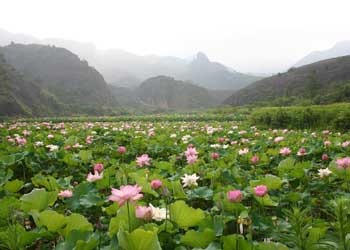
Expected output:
(172, 185)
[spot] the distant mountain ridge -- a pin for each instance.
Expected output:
(167, 93)
(322, 82)
(214, 75)
(123, 68)
(339, 49)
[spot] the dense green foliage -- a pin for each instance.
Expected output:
(336, 116)
(322, 82)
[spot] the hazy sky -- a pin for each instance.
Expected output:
(248, 35)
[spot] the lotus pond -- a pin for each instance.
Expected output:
(172, 185)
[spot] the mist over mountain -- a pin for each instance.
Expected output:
(8, 37)
(214, 75)
(120, 67)
(166, 93)
(339, 49)
(123, 68)
(60, 72)
(323, 82)
(20, 96)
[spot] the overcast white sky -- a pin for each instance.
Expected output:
(248, 35)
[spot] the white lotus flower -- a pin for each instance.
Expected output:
(52, 147)
(158, 214)
(190, 180)
(94, 177)
(243, 151)
(324, 172)
(186, 138)
(38, 143)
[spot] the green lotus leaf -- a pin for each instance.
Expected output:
(184, 215)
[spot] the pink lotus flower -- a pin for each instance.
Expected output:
(21, 141)
(245, 140)
(89, 139)
(215, 156)
(325, 132)
(234, 196)
(260, 190)
(327, 143)
(98, 167)
(65, 194)
(325, 157)
(122, 150)
(221, 139)
(343, 163)
(191, 151)
(285, 151)
(68, 147)
(191, 159)
(77, 145)
(143, 212)
(143, 160)
(94, 177)
(278, 139)
(126, 193)
(50, 136)
(191, 155)
(301, 152)
(155, 184)
(345, 144)
(255, 159)
(26, 132)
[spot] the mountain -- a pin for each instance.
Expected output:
(163, 93)
(213, 75)
(63, 74)
(318, 83)
(126, 96)
(20, 96)
(339, 49)
(167, 93)
(120, 67)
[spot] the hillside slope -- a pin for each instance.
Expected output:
(322, 82)
(167, 93)
(61, 73)
(19, 96)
